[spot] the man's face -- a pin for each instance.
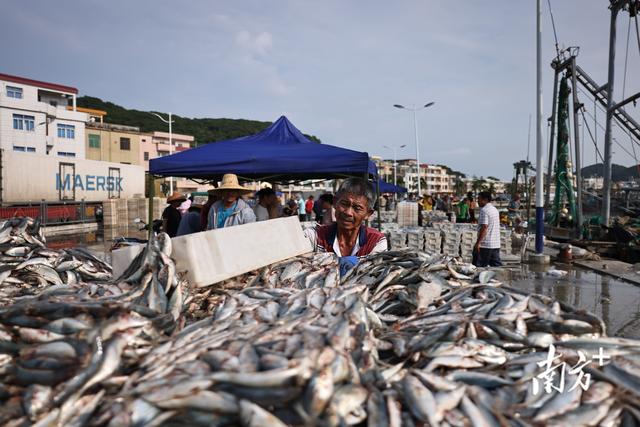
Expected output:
(229, 196)
(351, 211)
(482, 201)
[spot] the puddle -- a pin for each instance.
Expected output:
(615, 301)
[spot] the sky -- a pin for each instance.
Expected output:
(335, 68)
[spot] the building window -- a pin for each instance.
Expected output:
(94, 141)
(22, 122)
(16, 148)
(66, 154)
(125, 144)
(14, 92)
(146, 156)
(31, 149)
(66, 131)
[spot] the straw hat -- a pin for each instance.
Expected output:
(176, 197)
(230, 182)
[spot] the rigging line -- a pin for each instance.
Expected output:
(591, 135)
(614, 139)
(604, 111)
(637, 32)
(624, 86)
(626, 60)
(553, 24)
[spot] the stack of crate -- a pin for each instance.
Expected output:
(467, 241)
(432, 240)
(121, 212)
(505, 241)
(132, 210)
(109, 213)
(159, 203)
(415, 238)
(388, 216)
(398, 239)
(143, 209)
(451, 244)
(407, 213)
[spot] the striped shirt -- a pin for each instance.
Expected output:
(490, 217)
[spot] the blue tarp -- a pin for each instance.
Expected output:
(385, 187)
(279, 153)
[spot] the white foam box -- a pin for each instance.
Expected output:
(211, 256)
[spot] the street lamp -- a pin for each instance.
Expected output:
(415, 128)
(170, 122)
(395, 159)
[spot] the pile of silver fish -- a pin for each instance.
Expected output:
(405, 338)
(28, 267)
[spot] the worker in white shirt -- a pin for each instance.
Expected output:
(486, 251)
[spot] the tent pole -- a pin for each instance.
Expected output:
(378, 204)
(152, 190)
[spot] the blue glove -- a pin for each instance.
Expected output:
(346, 263)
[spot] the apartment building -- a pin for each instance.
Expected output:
(156, 144)
(40, 117)
(113, 143)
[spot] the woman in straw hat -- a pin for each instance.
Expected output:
(230, 209)
(171, 216)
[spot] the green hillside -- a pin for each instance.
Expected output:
(618, 172)
(204, 130)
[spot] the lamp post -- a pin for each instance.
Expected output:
(170, 122)
(415, 128)
(395, 159)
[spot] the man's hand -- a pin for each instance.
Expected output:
(346, 263)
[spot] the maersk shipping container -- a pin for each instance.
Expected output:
(28, 177)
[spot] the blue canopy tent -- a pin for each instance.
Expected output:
(385, 187)
(279, 153)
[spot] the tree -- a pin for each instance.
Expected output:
(459, 187)
(492, 189)
(479, 185)
(508, 188)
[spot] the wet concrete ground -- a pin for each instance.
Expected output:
(615, 301)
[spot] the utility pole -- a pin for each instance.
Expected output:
(170, 122)
(415, 128)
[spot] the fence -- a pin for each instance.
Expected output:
(55, 213)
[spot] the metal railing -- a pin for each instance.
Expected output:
(52, 213)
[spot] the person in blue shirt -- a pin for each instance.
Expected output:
(230, 210)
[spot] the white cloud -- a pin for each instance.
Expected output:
(259, 44)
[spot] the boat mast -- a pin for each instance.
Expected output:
(539, 145)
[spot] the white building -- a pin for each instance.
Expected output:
(34, 118)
